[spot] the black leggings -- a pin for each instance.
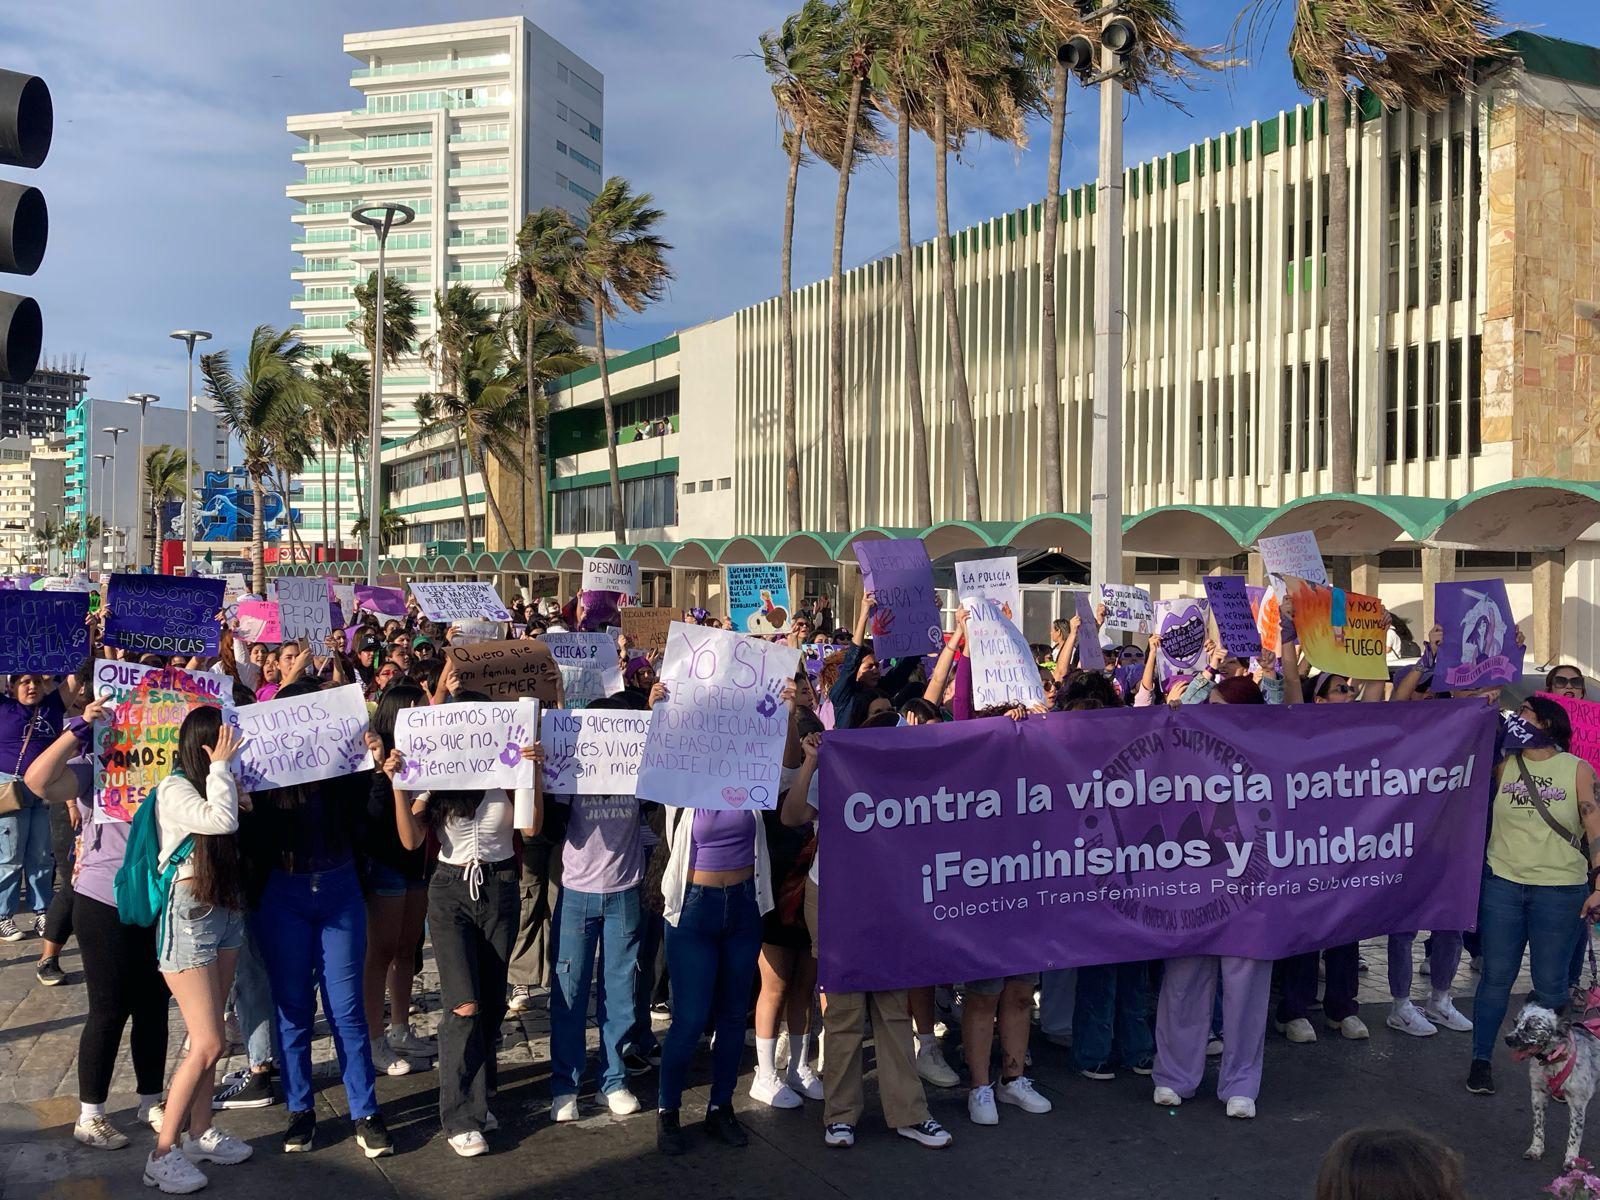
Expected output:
(58, 920)
(120, 976)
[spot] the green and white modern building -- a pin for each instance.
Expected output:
(473, 124)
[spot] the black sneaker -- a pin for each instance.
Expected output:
(49, 972)
(670, 1137)
(1145, 1066)
(247, 1089)
(373, 1137)
(636, 1063)
(1480, 1078)
(302, 1130)
(1101, 1071)
(724, 1126)
(9, 931)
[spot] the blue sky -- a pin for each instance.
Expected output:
(166, 180)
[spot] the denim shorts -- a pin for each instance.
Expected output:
(993, 987)
(194, 933)
(384, 880)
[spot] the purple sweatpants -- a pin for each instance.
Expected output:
(1444, 958)
(1183, 1024)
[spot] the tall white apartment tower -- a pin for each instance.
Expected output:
(473, 124)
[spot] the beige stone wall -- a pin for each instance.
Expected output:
(1541, 360)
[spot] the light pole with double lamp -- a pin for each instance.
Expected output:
(380, 218)
(102, 459)
(144, 400)
(188, 337)
(114, 432)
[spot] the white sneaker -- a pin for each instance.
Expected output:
(1352, 1028)
(1297, 1030)
(803, 1081)
(215, 1146)
(469, 1144)
(1404, 1016)
(1020, 1092)
(980, 1106)
(622, 1102)
(933, 1068)
(386, 1060)
(773, 1092)
(930, 1133)
(564, 1108)
(839, 1135)
(404, 1041)
(173, 1173)
(99, 1133)
(1443, 1011)
(1214, 1048)
(154, 1115)
(1242, 1107)
(1167, 1098)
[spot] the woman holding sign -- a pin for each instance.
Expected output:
(473, 904)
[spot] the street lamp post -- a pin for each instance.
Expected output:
(189, 337)
(380, 218)
(115, 432)
(102, 459)
(144, 400)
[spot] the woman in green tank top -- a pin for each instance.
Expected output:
(1538, 878)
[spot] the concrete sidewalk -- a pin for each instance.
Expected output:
(1104, 1139)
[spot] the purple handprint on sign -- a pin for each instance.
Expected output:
(769, 701)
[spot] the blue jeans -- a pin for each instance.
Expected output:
(309, 926)
(1511, 917)
(252, 1003)
(642, 1036)
(585, 922)
(25, 848)
(1112, 1006)
(711, 959)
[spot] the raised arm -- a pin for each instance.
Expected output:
(934, 692)
(797, 808)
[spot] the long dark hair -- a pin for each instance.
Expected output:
(396, 696)
(1554, 718)
(218, 879)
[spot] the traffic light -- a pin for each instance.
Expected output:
(27, 121)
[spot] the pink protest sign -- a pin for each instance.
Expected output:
(1585, 717)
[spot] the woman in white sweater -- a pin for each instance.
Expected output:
(201, 930)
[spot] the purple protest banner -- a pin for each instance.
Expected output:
(1480, 636)
(164, 614)
(1182, 626)
(989, 848)
(1229, 597)
(385, 601)
(899, 574)
(43, 633)
(1091, 657)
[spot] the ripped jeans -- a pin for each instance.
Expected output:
(472, 945)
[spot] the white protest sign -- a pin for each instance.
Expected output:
(455, 601)
(1003, 669)
(610, 575)
(345, 594)
(466, 745)
(302, 739)
(588, 665)
(471, 633)
(233, 585)
(717, 740)
(1127, 607)
(1293, 554)
(303, 608)
(992, 579)
(595, 752)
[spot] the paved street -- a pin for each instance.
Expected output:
(1104, 1139)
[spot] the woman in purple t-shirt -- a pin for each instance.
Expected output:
(119, 961)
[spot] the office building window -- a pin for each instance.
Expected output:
(650, 503)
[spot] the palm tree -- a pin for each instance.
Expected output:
(165, 476)
(622, 264)
(45, 538)
(542, 275)
(1162, 56)
(976, 82)
(350, 420)
(391, 527)
(1412, 53)
(399, 317)
(264, 408)
(552, 352)
(459, 320)
(67, 535)
(800, 58)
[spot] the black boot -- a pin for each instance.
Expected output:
(670, 1137)
(724, 1126)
